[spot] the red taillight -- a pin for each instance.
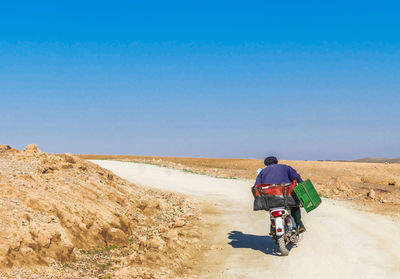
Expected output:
(277, 213)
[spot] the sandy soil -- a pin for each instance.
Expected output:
(64, 217)
(341, 241)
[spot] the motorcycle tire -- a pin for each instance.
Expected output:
(282, 246)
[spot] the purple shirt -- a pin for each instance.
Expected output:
(278, 174)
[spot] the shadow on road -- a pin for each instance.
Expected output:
(262, 243)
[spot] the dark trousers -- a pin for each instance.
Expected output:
(297, 216)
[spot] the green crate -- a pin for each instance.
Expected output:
(307, 195)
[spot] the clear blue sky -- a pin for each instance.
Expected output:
(300, 80)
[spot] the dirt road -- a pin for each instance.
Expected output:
(341, 241)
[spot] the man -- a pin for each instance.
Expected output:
(276, 173)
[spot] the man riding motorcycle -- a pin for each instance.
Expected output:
(275, 173)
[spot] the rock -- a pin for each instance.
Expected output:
(179, 223)
(116, 237)
(335, 191)
(5, 147)
(69, 158)
(392, 182)
(143, 241)
(32, 148)
(27, 251)
(157, 243)
(135, 246)
(171, 235)
(82, 226)
(371, 194)
(338, 187)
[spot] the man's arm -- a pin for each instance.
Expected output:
(258, 179)
(293, 175)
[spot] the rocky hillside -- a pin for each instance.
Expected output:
(59, 212)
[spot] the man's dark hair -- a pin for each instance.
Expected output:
(270, 160)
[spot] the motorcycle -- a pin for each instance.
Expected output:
(284, 229)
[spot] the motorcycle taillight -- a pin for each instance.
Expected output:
(277, 213)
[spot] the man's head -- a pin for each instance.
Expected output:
(270, 160)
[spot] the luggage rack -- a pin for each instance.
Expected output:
(268, 196)
(267, 186)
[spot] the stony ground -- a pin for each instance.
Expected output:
(376, 186)
(64, 217)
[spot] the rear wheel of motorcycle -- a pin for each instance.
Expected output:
(282, 246)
